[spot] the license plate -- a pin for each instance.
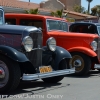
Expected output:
(45, 69)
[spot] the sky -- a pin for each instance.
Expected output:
(84, 3)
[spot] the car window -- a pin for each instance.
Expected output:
(30, 22)
(10, 21)
(57, 25)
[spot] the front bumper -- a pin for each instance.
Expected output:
(97, 66)
(30, 77)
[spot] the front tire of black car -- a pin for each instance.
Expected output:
(56, 79)
(10, 74)
(81, 62)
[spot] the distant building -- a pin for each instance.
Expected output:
(69, 4)
(59, 4)
(52, 5)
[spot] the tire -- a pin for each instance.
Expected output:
(81, 62)
(56, 79)
(10, 76)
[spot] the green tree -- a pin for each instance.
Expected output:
(89, 1)
(95, 11)
(32, 11)
(57, 13)
(78, 8)
(53, 13)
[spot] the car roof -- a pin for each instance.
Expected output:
(84, 23)
(36, 15)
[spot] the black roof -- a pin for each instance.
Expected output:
(84, 23)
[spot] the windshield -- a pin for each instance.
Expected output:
(1, 17)
(98, 28)
(57, 25)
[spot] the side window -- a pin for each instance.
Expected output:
(10, 21)
(28, 22)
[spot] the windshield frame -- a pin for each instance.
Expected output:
(56, 29)
(3, 18)
(98, 30)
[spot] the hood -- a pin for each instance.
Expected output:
(72, 34)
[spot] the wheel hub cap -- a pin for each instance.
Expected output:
(2, 73)
(77, 63)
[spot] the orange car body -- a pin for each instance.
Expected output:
(73, 42)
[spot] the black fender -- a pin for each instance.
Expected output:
(13, 53)
(59, 54)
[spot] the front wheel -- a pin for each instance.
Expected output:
(9, 74)
(81, 62)
(62, 65)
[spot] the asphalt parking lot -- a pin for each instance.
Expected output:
(70, 88)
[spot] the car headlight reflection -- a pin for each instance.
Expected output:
(51, 44)
(94, 45)
(27, 43)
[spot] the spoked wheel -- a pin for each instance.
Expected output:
(81, 62)
(62, 65)
(9, 74)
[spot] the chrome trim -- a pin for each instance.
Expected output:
(97, 66)
(46, 75)
(38, 49)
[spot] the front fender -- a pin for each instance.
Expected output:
(84, 50)
(13, 53)
(57, 55)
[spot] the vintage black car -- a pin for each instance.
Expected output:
(89, 28)
(22, 56)
(85, 27)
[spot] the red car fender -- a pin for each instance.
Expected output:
(84, 50)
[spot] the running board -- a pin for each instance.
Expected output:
(30, 77)
(97, 66)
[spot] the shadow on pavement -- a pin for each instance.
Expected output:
(90, 74)
(29, 88)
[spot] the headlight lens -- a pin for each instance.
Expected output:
(51, 44)
(94, 45)
(27, 43)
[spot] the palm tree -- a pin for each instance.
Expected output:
(89, 1)
(57, 13)
(32, 11)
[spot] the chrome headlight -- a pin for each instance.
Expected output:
(51, 44)
(94, 45)
(27, 43)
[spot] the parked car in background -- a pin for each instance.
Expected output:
(23, 57)
(81, 46)
(85, 27)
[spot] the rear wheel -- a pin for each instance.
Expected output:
(9, 74)
(62, 65)
(81, 62)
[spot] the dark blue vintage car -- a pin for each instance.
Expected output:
(22, 56)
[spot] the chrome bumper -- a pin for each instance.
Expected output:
(30, 77)
(97, 66)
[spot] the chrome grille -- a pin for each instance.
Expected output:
(35, 56)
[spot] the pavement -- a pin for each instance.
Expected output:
(70, 88)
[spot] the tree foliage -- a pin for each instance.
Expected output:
(57, 13)
(95, 10)
(32, 11)
(78, 8)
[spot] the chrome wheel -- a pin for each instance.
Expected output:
(77, 62)
(4, 74)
